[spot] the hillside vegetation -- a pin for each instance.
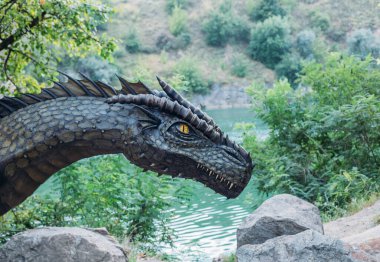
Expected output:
(214, 41)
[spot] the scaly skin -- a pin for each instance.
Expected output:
(38, 139)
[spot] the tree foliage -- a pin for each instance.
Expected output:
(270, 41)
(324, 141)
(265, 9)
(191, 76)
(305, 43)
(363, 42)
(177, 21)
(222, 25)
(104, 191)
(34, 35)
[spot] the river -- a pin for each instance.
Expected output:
(206, 226)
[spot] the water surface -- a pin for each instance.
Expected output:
(206, 227)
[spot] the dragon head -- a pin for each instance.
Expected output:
(183, 141)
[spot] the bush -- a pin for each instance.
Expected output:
(305, 43)
(132, 42)
(104, 191)
(238, 29)
(222, 25)
(265, 9)
(319, 20)
(363, 42)
(92, 66)
(170, 5)
(239, 66)
(270, 41)
(216, 29)
(177, 21)
(323, 145)
(167, 42)
(288, 68)
(96, 68)
(187, 69)
(336, 34)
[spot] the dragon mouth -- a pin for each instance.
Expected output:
(218, 177)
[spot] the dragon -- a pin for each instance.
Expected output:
(156, 130)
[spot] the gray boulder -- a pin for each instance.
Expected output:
(63, 245)
(280, 215)
(308, 245)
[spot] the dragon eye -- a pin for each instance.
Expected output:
(183, 128)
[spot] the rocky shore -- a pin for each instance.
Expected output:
(286, 228)
(283, 229)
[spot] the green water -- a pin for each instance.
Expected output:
(206, 227)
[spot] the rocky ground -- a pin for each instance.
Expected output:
(284, 229)
(358, 223)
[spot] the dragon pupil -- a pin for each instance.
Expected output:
(184, 128)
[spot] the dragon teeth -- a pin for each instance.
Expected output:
(210, 173)
(232, 184)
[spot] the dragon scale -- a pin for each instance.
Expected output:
(158, 131)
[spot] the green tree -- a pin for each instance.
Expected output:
(216, 29)
(223, 25)
(34, 35)
(305, 43)
(289, 67)
(171, 4)
(265, 9)
(132, 42)
(363, 42)
(177, 21)
(270, 41)
(190, 76)
(104, 191)
(324, 140)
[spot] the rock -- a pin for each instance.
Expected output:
(368, 241)
(62, 244)
(280, 215)
(353, 224)
(308, 245)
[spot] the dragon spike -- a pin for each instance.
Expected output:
(170, 92)
(125, 84)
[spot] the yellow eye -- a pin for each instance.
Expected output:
(183, 128)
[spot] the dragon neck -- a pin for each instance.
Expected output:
(39, 140)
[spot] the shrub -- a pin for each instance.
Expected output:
(305, 43)
(363, 42)
(289, 67)
(238, 29)
(265, 9)
(92, 66)
(336, 34)
(323, 145)
(177, 21)
(132, 42)
(239, 66)
(222, 25)
(319, 20)
(97, 68)
(270, 41)
(166, 42)
(104, 191)
(170, 5)
(191, 76)
(216, 29)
